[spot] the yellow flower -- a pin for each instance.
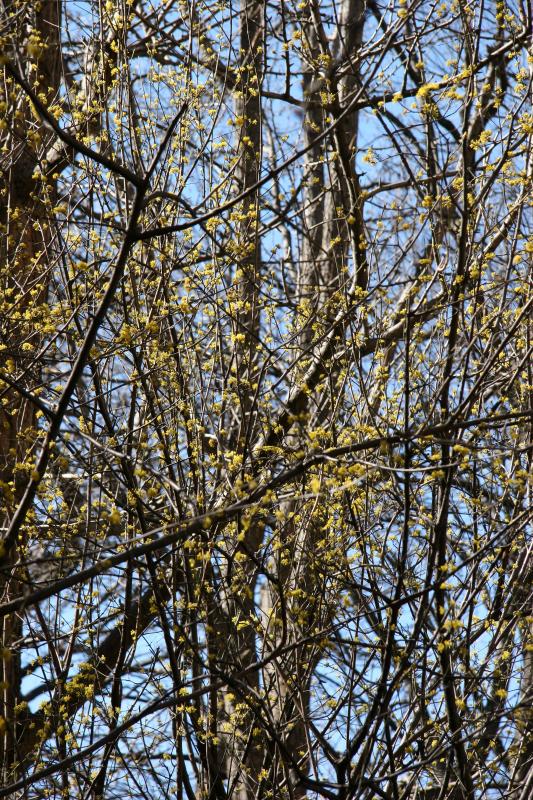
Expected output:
(315, 485)
(426, 89)
(370, 157)
(115, 517)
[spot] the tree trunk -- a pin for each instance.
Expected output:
(28, 195)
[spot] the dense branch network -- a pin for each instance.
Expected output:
(266, 400)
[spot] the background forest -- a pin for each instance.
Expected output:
(266, 399)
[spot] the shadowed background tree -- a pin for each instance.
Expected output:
(266, 400)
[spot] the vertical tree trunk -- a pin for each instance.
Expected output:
(232, 639)
(247, 94)
(333, 208)
(27, 196)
